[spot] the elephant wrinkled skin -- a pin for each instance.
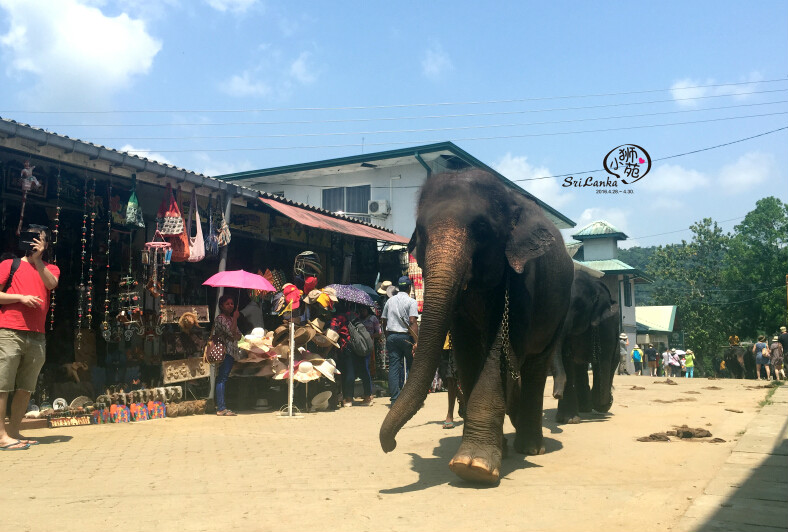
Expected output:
(590, 337)
(474, 240)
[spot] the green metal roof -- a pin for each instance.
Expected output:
(599, 229)
(615, 266)
(447, 152)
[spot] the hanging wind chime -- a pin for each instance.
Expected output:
(105, 331)
(84, 240)
(55, 234)
(91, 264)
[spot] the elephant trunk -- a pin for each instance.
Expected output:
(444, 272)
(604, 370)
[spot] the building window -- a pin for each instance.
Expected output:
(349, 200)
(627, 292)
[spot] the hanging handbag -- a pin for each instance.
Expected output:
(196, 243)
(211, 240)
(171, 220)
(180, 241)
(133, 209)
(224, 232)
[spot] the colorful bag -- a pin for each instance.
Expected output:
(196, 243)
(171, 220)
(121, 414)
(224, 232)
(211, 241)
(180, 243)
(100, 416)
(133, 209)
(214, 351)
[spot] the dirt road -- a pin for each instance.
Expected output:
(326, 471)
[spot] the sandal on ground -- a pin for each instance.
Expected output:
(448, 424)
(30, 442)
(16, 446)
(226, 412)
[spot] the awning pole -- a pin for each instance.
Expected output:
(220, 291)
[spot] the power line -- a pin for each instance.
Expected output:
(685, 229)
(497, 137)
(422, 130)
(423, 117)
(400, 106)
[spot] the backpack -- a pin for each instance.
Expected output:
(16, 261)
(360, 343)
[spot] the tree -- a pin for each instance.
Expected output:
(690, 276)
(757, 264)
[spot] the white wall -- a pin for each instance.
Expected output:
(600, 249)
(399, 186)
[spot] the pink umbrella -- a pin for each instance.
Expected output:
(240, 279)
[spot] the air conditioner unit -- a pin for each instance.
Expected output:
(378, 207)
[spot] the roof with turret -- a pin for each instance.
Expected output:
(599, 229)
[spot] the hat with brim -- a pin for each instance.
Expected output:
(280, 334)
(381, 288)
(187, 321)
(303, 335)
(331, 293)
(303, 371)
(331, 337)
(312, 296)
(317, 324)
(392, 291)
(775, 339)
(623, 336)
(327, 368)
(320, 401)
(782, 329)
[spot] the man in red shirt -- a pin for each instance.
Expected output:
(23, 311)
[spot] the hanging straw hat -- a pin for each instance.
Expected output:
(330, 337)
(187, 321)
(317, 324)
(381, 288)
(320, 401)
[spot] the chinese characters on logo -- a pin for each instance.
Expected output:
(625, 165)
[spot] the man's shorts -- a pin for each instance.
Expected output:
(22, 355)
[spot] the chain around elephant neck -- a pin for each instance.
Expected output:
(505, 343)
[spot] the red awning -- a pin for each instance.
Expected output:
(321, 221)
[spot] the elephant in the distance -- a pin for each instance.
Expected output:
(491, 261)
(740, 361)
(590, 336)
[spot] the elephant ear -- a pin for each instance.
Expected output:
(604, 306)
(530, 238)
(414, 249)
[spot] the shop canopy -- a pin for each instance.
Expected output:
(328, 223)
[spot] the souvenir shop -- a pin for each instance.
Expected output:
(135, 241)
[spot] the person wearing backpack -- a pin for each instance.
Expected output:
(24, 303)
(762, 355)
(355, 344)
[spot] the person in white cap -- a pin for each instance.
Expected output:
(623, 342)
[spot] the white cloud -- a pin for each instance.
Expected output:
(749, 170)
(549, 190)
(672, 178)
(301, 70)
(235, 6)
(273, 65)
(211, 167)
(436, 63)
(242, 85)
(75, 54)
(147, 154)
(683, 91)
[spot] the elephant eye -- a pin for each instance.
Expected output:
(481, 227)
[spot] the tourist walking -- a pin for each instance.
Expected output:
(777, 353)
(651, 358)
(399, 321)
(623, 342)
(637, 359)
(689, 364)
(762, 355)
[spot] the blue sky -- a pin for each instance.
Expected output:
(533, 89)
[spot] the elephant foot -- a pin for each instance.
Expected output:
(477, 463)
(529, 445)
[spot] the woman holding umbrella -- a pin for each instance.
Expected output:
(226, 329)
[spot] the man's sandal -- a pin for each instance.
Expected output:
(16, 446)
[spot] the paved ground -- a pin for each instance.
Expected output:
(326, 471)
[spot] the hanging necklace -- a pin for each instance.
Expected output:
(55, 233)
(92, 241)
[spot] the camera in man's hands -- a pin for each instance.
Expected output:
(26, 242)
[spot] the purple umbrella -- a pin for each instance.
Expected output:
(352, 294)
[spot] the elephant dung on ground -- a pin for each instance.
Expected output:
(480, 244)
(590, 337)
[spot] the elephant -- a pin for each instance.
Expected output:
(590, 336)
(492, 262)
(740, 361)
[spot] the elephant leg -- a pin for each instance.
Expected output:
(528, 439)
(479, 456)
(567, 406)
(559, 373)
(582, 388)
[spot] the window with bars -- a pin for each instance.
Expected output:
(350, 200)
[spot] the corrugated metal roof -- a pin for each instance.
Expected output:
(656, 318)
(614, 266)
(599, 229)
